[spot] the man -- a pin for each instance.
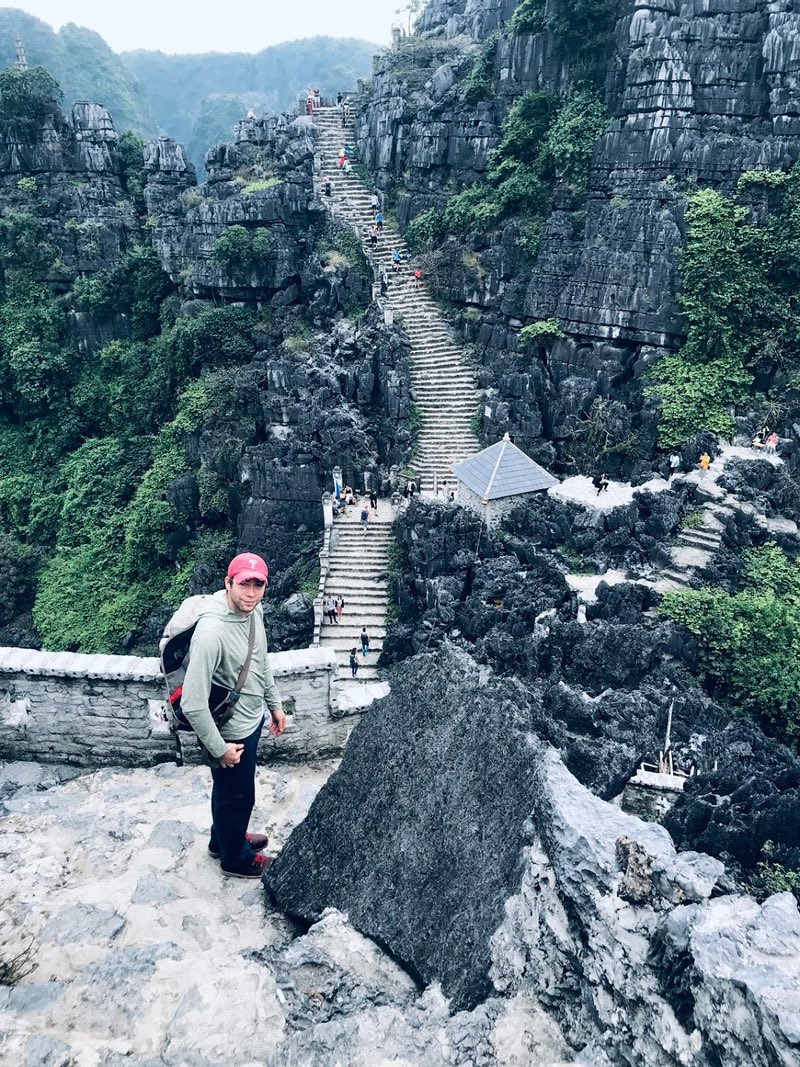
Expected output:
(218, 652)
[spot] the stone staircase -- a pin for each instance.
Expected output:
(443, 385)
(358, 565)
(694, 548)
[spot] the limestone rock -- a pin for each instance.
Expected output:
(501, 876)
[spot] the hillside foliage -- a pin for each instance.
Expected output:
(546, 140)
(740, 270)
(749, 642)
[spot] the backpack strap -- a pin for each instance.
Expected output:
(233, 695)
(251, 640)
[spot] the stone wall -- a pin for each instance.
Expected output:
(495, 510)
(94, 711)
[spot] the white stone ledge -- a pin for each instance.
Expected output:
(139, 668)
(78, 665)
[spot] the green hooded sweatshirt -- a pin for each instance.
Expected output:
(218, 652)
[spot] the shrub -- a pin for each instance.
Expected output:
(426, 230)
(18, 566)
(260, 186)
(478, 83)
(749, 642)
(544, 331)
(572, 135)
(28, 96)
(529, 17)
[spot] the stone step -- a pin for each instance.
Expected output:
(678, 577)
(695, 540)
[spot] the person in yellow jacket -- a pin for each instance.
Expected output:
(705, 463)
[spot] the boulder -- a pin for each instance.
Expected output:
(458, 840)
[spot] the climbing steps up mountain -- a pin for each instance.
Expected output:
(358, 565)
(443, 385)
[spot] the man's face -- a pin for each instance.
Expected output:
(244, 596)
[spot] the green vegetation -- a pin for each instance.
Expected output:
(544, 331)
(479, 82)
(695, 520)
(28, 96)
(749, 642)
(774, 877)
(583, 30)
(260, 185)
(546, 140)
(94, 443)
(240, 252)
(529, 17)
(739, 285)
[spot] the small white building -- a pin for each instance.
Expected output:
(494, 481)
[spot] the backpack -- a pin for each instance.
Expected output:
(364, 515)
(175, 648)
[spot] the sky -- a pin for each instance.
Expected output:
(206, 26)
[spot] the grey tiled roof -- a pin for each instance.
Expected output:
(515, 474)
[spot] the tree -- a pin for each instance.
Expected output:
(28, 95)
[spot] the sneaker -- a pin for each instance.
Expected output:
(257, 842)
(255, 869)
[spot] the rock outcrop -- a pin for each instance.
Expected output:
(67, 173)
(458, 840)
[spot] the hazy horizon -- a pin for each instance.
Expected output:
(182, 27)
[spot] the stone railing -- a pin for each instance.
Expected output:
(324, 563)
(94, 711)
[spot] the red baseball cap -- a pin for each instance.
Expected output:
(247, 565)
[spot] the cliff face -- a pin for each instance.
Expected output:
(74, 187)
(696, 94)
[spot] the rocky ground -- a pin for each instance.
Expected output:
(141, 953)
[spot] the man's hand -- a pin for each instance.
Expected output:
(231, 756)
(278, 724)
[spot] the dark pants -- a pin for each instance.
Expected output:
(232, 798)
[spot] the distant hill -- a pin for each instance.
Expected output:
(198, 98)
(83, 65)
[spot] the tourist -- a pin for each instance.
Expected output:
(412, 488)
(328, 187)
(772, 443)
(339, 99)
(317, 100)
(374, 203)
(339, 602)
(330, 611)
(373, 500)
(396, 259)
(364, 641)
(674, 463)
(417, 278)
(600, 482)
(310, 106)
(379, 221)
(348, 166)
(353, 662)
(373, 236)
(704, 464)
(384, 283)
(758, 441)
(227, 635)
(364, 518)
